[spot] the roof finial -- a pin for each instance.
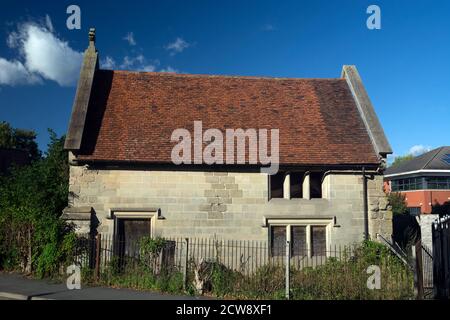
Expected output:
(92, 35)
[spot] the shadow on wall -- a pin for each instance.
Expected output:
(97, 104)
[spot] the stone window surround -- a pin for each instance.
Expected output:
(308, 222)
(153, 214)
(306, 184)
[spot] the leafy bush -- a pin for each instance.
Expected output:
(47, 261)
(151, 245)
(55, 254)
(343, 278)
(170, 282)
(270, 278)
(331, 278)
(398, 202)
(222, 279)
(31, 200)
(346, 278)
(150, 250)
(137, 276)
(9, 258)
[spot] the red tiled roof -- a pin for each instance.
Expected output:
(132, 115)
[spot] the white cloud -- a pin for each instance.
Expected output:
(108, 63)
(148, 68)
(129, 62)
(13, 40)
(177, 46)
(130, 39)
(169, 69)
(50, 57)
(417, 150)
(136, 63)
(14, 73)
(41, 55)
(48, 23)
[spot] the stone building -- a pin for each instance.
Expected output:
(332, 150)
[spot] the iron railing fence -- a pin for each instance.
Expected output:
(441, 257)
(427, 269)
(244, 256)
(247, 268)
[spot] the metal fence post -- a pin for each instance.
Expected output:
(185, 269)
(97, 256)
(288, 269)
(413, 264)
(441, 263)
(445, 234)
(437, 259)
(419, 270)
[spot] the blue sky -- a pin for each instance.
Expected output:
(405, 66)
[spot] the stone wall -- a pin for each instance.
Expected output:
(425, 221)
(380, 212)
(228, 205)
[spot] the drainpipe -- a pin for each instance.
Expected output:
(366, 207)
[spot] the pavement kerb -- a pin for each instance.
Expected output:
(17, 296)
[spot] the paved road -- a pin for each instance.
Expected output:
(13, 286)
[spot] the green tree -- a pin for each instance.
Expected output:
(398, 203)
(400, 159)
(6, 135)
(13, 138)
(31, 201)
(26, 140)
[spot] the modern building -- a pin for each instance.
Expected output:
(424, 180)
(124, 182)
